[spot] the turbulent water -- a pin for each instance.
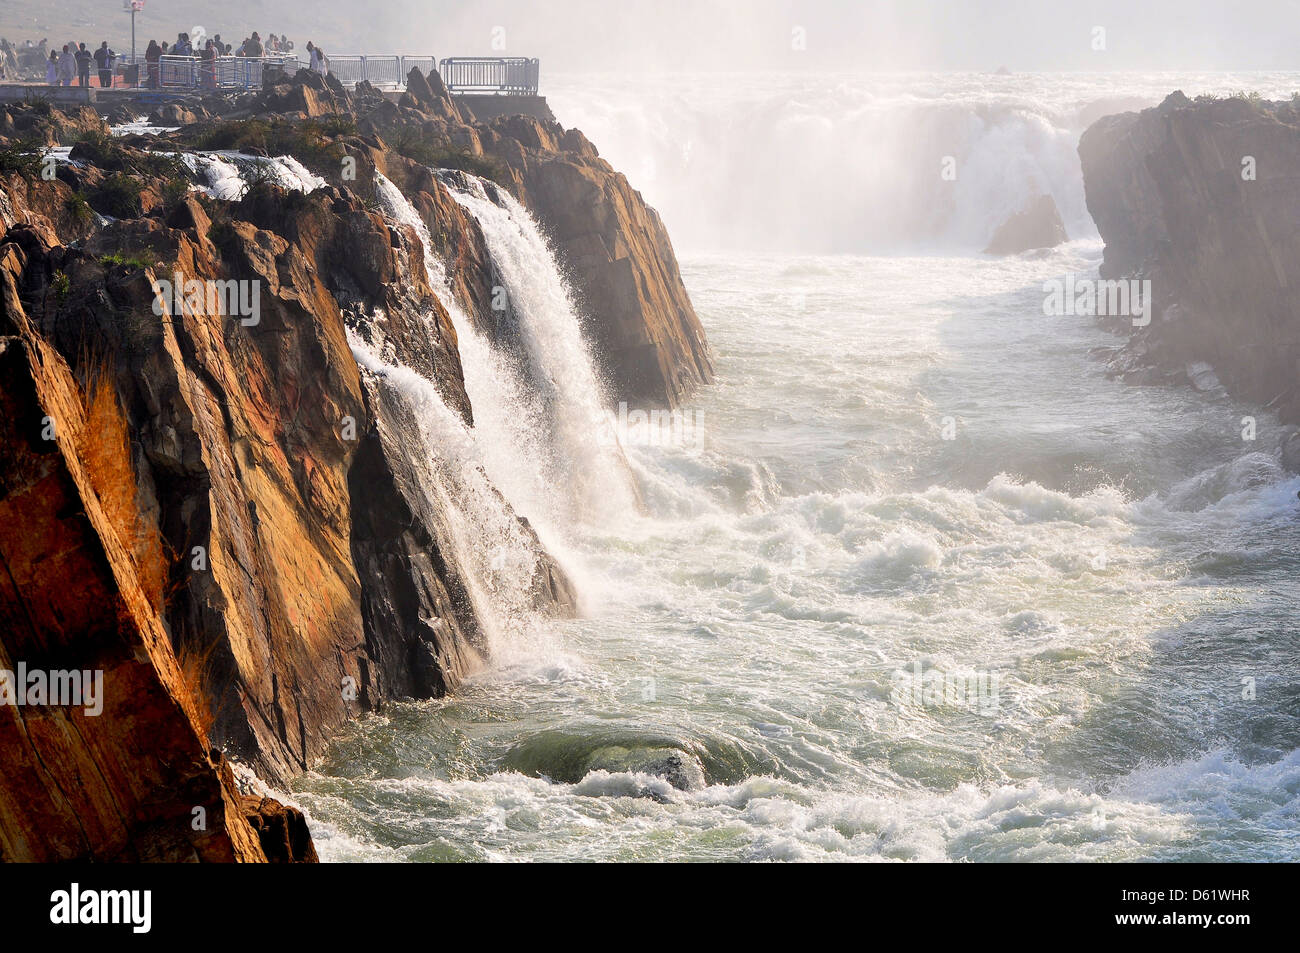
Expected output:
(905, 473)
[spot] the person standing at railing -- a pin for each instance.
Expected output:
(319, 62)
(208, 65)
(254, 45)
(83, 65)
(52, 70)
(104, 60)
(152, 55)
(67, 66)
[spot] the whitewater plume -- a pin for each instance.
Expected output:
(855, 163)
(492, 555)
(228, 174)
(539, 406)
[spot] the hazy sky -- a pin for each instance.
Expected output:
(603, 35)
(859, 34)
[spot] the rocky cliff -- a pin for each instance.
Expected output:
(617, 251)
(1200, 197)
(224, 519)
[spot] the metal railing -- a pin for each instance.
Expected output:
(387, 72)
(425, 64)
(223, 72)
(462, 74)
(511, 76)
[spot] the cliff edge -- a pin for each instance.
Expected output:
(1200, 197)
(219, 512)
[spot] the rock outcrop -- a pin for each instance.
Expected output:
(1036, 226)
(619, 257)
(227, 519)
(121, 770)
(1200, 198)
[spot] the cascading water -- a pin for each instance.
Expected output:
(583, 461)
(1112, 560)
(526, 450)
(547, 440)
(227, 173)
(748, 162)
(481, 538)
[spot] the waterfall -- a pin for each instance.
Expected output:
(226, 173)
(546, 439)
(569, 398)
(494, 556)
(541, 446)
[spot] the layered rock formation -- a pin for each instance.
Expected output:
(123, 770)
(1200, 198)
(261, 562)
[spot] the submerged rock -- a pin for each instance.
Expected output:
(1036, 226)
(675, 766)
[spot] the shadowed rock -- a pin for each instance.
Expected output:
(1200, 198)
(1036, 226)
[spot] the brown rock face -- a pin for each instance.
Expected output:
(617, 253)
(1038, 225)
(132, 780)
(49, 126)
(1200, 198)
(230, 519)
(281, 831)
(251, 434)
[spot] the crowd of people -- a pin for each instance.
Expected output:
(214, 47)
(74, 63)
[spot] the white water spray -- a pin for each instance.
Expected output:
(227, 173)
(547, 441)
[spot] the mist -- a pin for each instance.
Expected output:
(732, 35)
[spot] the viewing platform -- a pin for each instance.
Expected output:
(484, 86)
(473, 76)
(487, 86)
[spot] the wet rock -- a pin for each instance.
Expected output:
(675, 766)
(178, 114)
(281, 831)
(1036, 226)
